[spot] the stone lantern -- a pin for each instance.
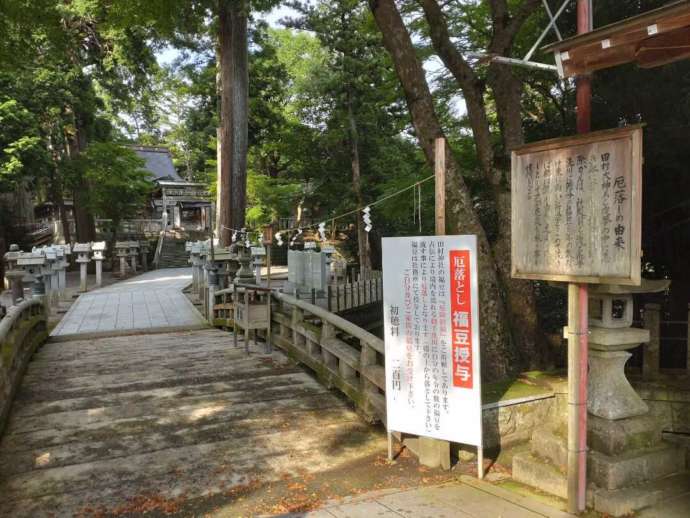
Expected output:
(244, 274)
(32, 264)
(14, 274)
(11, 257)
(258, 254)
(60, 267)
(50, 274)
(328, 251)
(133, 253)
(222, 258)
(144, 251)
(82, 250)
(122, 251)
(98, 256)
(195, 260)
(626, 443)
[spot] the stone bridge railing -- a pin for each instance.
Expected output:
(341, 354)
(22, 330)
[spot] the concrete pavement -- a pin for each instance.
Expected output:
(468, 498)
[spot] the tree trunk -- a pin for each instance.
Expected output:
(240, 111)
(507, 90)
(58, 199)
(521, 302)
(224, 181)
(83, 219)
(472, 87)
(362, 237)
(498, 355)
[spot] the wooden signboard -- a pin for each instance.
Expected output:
(576, 208)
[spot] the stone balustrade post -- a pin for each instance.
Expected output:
(133, 252)
(650, 351)
(144, 250)
(16, 280)
(212, 288)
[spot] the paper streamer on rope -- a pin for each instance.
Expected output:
(367, 218)
(279, 239)
(299, 231)
(234, 236)
(322, 230)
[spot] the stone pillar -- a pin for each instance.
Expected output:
(82, 276)
(99, 271)
(144, 250)
(133, 252)
(195, 272)
(650, 353)
(15, 278)
(212, 287)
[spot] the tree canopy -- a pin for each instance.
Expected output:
(326, 111)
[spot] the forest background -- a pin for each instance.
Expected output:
(344, 101)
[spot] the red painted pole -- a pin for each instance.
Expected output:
(584, 122)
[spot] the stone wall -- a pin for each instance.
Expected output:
(510, 422)
(22, 331)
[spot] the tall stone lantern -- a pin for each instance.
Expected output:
(98, 256)
(14, 274)
(122, 251)
(82, 250)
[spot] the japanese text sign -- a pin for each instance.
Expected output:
(576, 208)
(431, 318)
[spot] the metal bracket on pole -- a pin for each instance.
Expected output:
(525, 62)
(552, 24)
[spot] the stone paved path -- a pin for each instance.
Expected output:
(151, 301)
(106, 425)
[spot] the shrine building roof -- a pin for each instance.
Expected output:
(158, 162)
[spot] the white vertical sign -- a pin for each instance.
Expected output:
(431, 318)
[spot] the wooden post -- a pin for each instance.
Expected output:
(650, 350)
(434, 452)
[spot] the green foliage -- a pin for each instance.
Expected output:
(21, 147)
(118, 183)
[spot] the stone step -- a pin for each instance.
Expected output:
(630, 469)
(548, 444)
(626, 501)
(538, 472)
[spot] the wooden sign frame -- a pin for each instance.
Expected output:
(634, 135)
